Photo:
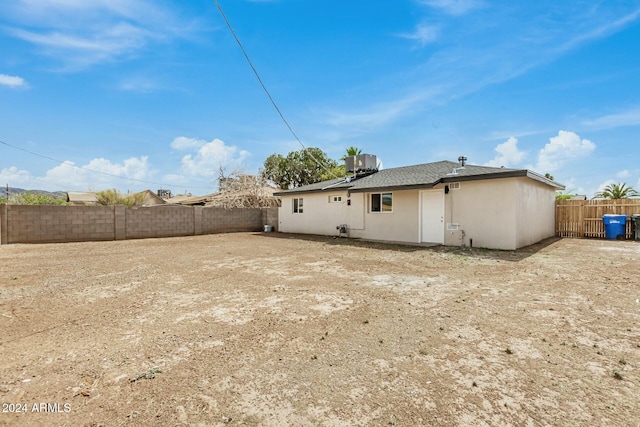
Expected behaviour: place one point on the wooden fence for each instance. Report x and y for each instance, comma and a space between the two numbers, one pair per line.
583, 218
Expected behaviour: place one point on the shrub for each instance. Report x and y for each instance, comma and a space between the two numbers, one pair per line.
113, 197
34, 198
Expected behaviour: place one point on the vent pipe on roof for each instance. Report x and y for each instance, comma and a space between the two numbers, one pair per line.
462, 160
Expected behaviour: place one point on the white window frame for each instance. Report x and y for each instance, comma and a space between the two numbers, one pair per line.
382, 211
335, 199
298, 205
454, 186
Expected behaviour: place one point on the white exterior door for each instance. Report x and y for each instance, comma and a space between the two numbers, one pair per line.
432, 216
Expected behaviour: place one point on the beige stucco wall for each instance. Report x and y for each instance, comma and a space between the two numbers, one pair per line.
485, 211
319, 216
535, 212
506, 213
401, 225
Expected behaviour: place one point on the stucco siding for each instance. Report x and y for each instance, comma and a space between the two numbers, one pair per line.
506, 213
535, 212
399, 225
319, 214
484, 211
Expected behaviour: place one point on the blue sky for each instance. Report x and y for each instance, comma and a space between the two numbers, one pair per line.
136, 94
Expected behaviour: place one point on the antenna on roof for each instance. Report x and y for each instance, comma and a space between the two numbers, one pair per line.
462, 160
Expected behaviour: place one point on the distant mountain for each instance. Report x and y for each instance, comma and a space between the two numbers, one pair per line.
13, 190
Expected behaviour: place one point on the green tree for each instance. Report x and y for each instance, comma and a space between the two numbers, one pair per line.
299, 168
351, 151
548, 176
35, 198
616, 191
561, 195
338, 171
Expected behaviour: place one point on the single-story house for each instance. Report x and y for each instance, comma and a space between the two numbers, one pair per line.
449, 203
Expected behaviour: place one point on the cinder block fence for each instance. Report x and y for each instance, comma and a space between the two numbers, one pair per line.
50, 224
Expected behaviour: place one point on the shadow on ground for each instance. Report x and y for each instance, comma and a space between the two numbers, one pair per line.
482, 253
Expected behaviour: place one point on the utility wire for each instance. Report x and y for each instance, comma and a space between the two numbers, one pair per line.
273, 102
95, 171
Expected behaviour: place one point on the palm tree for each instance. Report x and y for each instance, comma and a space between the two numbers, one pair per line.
616, 191
351, 151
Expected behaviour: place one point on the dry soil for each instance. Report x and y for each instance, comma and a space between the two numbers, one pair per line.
276, 330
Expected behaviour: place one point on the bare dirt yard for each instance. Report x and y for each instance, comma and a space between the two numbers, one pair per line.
280, 330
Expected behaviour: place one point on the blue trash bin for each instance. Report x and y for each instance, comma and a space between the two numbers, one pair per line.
614, 226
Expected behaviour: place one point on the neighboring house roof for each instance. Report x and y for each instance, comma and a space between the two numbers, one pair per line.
81, 197
251, 197
419, 176
179, 199
151, 198
194, 200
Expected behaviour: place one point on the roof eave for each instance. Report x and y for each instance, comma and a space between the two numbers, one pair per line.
317, 190
515, 173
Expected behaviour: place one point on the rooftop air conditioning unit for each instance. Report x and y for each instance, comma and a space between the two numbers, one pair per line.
361, 163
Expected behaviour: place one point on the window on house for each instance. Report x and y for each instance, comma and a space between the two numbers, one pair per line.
335, 199
297, 205
381, 202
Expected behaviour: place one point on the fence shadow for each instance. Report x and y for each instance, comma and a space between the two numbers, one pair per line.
478, 253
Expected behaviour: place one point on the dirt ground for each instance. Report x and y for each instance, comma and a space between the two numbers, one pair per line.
280, 330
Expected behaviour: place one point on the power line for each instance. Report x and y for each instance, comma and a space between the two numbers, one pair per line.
273, 102
96, 171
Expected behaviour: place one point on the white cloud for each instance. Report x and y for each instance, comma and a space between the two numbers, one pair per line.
100, 174
571, 187
561, 148
375, 116
508, 154
12, 81
608, 27
184, 143
453, 7
623, 174
423, 34
83, 33
625, 118
15, 177
604, 185
208, 156
82, 50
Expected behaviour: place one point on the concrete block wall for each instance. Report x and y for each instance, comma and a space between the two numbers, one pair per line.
220, 220
50, 224
159, 221
270, 217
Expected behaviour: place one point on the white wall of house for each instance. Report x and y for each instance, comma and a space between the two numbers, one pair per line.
400, 225
320, 214
485, 211
506, 213
535, 212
